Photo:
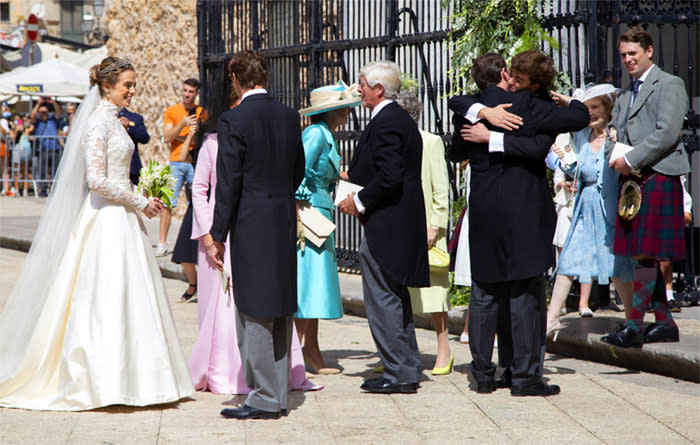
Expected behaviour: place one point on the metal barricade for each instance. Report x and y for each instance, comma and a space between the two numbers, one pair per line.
31, 160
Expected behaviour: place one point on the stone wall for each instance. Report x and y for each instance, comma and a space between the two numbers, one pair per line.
160, 37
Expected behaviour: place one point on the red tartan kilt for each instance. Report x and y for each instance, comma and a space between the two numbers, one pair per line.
657, 230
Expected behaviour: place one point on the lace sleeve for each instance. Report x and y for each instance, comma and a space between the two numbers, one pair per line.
95, 143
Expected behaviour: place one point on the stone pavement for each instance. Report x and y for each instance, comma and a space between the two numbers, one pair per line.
598, 403
579, 337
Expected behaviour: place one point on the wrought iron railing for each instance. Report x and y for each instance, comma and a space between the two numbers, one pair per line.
309, 43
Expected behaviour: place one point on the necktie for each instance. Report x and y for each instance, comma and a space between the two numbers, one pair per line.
635, 88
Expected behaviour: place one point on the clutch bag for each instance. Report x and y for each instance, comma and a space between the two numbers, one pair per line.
317, 228
438, 259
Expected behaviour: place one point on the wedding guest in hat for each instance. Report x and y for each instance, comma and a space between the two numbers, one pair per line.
318, 290
587, 250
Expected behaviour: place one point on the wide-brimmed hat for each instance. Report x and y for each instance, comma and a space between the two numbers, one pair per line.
332, 97
594, 90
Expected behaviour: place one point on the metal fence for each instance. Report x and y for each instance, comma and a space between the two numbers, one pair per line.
587, 32
309, 43
30, 164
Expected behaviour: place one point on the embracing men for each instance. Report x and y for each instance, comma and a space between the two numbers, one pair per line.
511, 214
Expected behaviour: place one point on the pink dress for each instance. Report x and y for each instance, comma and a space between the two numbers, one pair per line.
215, 363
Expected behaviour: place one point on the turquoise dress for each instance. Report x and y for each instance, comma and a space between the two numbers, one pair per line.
318, 290
587, 251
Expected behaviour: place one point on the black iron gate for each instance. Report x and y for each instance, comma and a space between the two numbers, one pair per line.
587, 31
309, 43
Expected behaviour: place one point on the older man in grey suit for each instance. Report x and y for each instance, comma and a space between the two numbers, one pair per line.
648, 115
393, 254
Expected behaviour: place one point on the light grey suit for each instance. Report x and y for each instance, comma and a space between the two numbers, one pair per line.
652, 124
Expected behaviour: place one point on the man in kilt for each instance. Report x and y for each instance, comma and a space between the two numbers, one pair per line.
648, 116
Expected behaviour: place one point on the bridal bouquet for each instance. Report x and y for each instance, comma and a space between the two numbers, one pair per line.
157, 181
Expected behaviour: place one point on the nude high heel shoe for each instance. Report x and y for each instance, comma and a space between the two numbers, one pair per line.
553, 327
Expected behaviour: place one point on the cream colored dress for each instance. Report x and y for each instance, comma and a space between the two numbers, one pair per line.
106, 334
436, 195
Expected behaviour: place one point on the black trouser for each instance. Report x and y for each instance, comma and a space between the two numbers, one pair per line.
518, 311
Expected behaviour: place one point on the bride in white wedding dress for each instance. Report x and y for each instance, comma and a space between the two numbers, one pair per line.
88, 323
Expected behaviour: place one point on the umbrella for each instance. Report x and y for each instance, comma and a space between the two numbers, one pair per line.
52, 78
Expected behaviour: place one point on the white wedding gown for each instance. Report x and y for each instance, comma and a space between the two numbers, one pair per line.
105, 334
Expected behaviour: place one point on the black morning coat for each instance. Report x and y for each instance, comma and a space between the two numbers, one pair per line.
259, 166
511, 212
387, 163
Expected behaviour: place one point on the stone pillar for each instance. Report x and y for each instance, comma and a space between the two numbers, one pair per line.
160, 37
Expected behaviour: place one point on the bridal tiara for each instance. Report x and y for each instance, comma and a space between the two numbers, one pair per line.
116, 65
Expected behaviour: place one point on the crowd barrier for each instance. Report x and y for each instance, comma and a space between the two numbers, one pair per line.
30, 163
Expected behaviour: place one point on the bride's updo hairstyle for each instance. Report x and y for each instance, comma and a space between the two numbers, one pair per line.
108, 72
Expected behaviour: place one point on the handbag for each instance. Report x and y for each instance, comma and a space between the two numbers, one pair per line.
317, 228
438, 259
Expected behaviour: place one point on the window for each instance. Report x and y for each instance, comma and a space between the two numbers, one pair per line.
71, 18
5, 12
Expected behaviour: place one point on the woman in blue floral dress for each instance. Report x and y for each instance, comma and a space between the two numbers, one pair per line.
587, 251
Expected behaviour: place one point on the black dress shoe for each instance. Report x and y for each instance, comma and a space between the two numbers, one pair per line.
673, 306
385, 386
370, 382
611, 307
486, 387
624, 338
248, 412
506, 380
656, 333
538, 389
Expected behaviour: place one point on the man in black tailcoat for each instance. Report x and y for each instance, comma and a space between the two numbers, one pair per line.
393, 254
511, 215
259, 166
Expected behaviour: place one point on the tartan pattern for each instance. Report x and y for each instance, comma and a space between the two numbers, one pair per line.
658, 230
649, 289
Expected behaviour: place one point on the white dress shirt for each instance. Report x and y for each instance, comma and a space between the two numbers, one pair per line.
377, 108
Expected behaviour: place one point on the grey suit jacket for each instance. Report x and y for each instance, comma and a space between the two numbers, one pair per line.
652, 124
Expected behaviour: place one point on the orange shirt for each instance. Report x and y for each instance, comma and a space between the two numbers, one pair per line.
174, 115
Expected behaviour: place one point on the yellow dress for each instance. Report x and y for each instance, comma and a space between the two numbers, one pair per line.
436, 195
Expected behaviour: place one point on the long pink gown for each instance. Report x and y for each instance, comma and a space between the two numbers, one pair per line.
215, 363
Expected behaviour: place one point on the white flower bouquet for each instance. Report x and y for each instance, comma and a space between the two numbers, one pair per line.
157, 181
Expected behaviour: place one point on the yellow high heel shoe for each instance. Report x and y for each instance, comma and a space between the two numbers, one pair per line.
445, 370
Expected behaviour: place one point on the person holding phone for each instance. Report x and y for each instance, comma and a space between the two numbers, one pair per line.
45, 116
178, 121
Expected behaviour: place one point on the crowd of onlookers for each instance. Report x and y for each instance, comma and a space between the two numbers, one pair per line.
31, 145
